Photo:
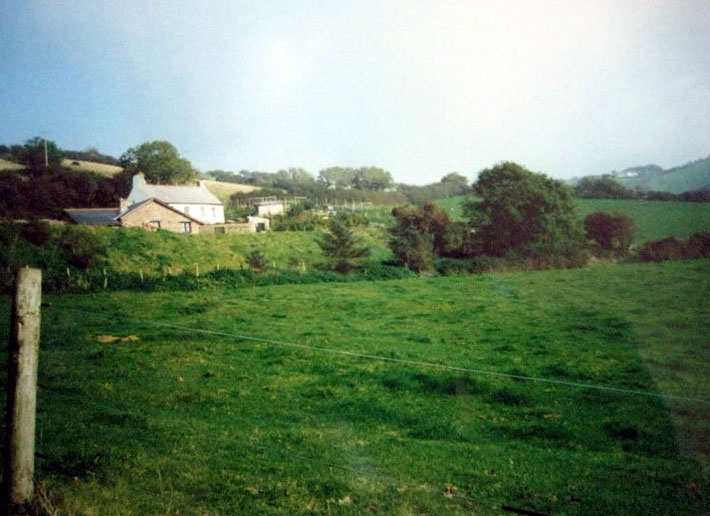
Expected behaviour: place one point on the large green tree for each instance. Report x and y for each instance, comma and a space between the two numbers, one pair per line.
39, 153
160, 162
372, 178
523, 212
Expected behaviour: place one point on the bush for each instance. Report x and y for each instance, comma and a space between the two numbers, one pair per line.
256, 260
82, 248
610, 233
698, 246
662, 250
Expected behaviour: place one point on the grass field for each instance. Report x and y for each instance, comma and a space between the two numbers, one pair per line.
654, 219
91, 166
178, 421
9, 165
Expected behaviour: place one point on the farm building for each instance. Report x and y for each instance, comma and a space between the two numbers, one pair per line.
151, 214
197, 202
269, 208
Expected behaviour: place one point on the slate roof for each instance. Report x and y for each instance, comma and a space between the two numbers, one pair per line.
93, 216
181, 194
157, 201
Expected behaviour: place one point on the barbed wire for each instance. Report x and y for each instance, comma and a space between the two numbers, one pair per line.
404, 361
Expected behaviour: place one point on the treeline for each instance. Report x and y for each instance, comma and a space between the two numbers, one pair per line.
299, 181
27, 194
606, 187
352, 185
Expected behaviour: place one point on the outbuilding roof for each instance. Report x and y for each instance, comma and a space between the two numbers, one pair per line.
93, 216
157, 201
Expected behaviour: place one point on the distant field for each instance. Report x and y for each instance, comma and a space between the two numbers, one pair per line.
175, 421
90, 166
224, 191
654, 219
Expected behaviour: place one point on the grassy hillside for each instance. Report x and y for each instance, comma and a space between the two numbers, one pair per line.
223, 191
654, 219
688, 177
133, 249
90, 166
174, 421
9, 165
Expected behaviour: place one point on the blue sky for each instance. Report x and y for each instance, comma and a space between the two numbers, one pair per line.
420, 88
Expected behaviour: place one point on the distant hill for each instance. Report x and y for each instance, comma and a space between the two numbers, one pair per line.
692, 176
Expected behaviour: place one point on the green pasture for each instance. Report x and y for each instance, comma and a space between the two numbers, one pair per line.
655, 220
308, 400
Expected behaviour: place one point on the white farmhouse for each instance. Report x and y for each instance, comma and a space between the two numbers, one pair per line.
194, 201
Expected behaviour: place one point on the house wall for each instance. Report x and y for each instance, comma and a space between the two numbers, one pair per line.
269, 210
207, 213
169, 220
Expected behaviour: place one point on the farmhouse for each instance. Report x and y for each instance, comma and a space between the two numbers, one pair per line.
196, 202
151, 214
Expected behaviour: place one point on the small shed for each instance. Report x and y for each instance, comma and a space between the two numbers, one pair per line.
270, 208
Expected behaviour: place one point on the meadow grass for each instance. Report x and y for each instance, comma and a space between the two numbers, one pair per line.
9, 165
92, 166
223, 191
188, 422
654, 220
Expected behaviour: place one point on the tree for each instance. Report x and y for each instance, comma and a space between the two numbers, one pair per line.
372, 178
38, 154
338, 177
160, 162
341, 246
610, 233
523, 212
429, 219
293, 179
412, 247
603, 187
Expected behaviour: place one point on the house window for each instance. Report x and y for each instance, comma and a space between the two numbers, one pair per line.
155, 224
184, 227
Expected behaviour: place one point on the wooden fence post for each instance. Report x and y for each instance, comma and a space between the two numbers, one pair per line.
22, 391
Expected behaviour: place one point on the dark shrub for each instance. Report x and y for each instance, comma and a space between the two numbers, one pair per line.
82, 248
698, 246
611, 233
661, 250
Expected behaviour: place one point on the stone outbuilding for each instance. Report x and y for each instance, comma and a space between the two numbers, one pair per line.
151, 214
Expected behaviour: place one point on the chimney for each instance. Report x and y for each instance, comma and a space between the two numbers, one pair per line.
122, 204
138, 179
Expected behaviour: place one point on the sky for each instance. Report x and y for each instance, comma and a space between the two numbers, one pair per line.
419, 88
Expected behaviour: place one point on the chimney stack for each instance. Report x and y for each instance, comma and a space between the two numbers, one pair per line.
122, 204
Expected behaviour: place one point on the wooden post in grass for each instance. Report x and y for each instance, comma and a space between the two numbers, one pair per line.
19, 453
